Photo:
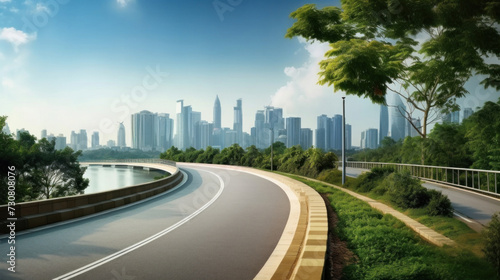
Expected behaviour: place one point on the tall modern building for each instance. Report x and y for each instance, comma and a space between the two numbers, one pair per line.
398, 121
60, 142
383, 123
6, 129
411, 130
82, 140
362, 144
195, 119
143, 131
293, 126
369, 139
238, 122
164, 129
336, 135
95, 140
121, 136
467, 113
179, 124
217, 113
455, 117
324, 133
203, 134
261, 132
306, 138
43, 134
348, 135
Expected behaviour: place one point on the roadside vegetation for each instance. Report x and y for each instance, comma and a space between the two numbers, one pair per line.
385, 248
40, 170
474, 143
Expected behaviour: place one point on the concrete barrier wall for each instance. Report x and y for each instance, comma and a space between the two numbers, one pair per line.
42, 212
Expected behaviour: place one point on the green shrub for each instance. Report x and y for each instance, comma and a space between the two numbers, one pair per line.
492, 242
368, 181
407, 192
439, 204
332, 176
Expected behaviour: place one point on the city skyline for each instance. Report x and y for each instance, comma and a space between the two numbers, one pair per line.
63, 73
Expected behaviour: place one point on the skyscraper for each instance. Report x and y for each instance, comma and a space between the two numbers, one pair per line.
143, 131
324, 133
293, 126
82, 140
95, 140
306, 138
348, 135
179, 124
238, 122
163, 132
121, 136
383, 123
44, 134
217, 113
412, 131
60, 142
6, 129
371, 138
467, 113
398, 121
261, 141
337, 132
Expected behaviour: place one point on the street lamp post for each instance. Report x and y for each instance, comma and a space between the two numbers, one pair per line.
343, 141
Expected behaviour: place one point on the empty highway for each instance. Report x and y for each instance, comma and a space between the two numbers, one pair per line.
219, 224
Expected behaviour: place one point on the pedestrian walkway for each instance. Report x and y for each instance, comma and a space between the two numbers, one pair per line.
424, 231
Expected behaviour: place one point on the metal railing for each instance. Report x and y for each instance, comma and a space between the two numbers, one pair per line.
486, 181
140, 160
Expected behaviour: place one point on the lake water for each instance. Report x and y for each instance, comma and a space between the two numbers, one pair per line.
110, 178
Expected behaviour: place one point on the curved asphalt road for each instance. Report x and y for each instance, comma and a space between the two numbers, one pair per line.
230, 239
475, 209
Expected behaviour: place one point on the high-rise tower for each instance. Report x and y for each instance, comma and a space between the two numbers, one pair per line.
398, 121
217, 113
383, 123
121, 136
238, 122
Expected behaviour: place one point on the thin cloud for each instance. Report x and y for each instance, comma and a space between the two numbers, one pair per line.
16, 37
123, 3
303, 89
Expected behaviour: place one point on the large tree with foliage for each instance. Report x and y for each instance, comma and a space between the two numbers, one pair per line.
483, 135
374, 49
41, 170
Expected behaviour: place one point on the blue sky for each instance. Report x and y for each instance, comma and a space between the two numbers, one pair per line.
69, 65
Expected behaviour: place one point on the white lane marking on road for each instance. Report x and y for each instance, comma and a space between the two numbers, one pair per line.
139, 244
455, 213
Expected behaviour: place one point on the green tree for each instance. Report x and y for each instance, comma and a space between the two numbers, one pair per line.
208, 155
253, 157
446, 146
191, 154
483, 135
492, 242
292, 160
374, 49
50, 172
231, 155
173, 154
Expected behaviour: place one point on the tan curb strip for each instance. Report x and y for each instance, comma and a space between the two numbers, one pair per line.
305, 256
424, 231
